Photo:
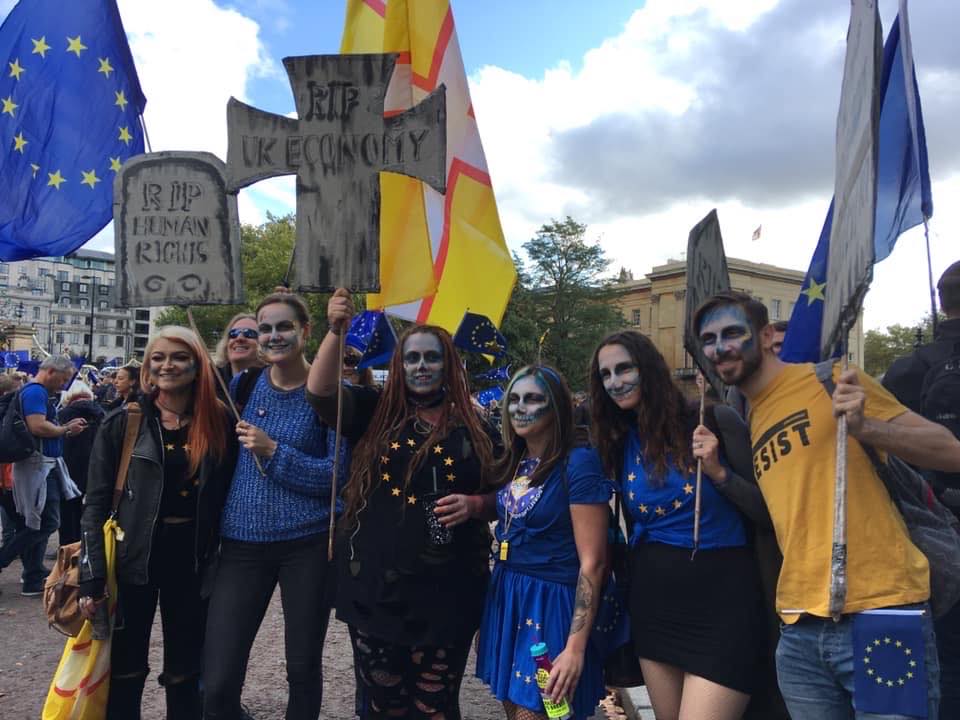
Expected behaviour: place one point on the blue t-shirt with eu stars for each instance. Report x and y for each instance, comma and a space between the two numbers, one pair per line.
663, 512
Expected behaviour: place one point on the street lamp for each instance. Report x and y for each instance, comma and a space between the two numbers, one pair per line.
93, 308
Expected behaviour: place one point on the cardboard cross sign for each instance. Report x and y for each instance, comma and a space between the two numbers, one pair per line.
337, 148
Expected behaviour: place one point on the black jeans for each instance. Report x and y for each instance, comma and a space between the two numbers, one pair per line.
246, 577
412, 682
948, 648
172, 582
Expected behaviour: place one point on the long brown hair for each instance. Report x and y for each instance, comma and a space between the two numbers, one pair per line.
561, 442
662, 417
393, 411
208, 429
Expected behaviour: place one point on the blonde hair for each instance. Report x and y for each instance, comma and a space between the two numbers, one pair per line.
208, 427
220, 351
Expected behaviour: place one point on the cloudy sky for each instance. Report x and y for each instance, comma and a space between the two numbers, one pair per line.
634, 117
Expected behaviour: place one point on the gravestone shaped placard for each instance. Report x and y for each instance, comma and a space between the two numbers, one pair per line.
337, 148
707, 275
177, 232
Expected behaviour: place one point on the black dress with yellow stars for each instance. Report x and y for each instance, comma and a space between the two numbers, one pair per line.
393, 583
179, 498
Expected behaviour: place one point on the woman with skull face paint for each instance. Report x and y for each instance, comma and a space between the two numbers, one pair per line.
695, 617
169, 512
275, 524
410, 589
552, 507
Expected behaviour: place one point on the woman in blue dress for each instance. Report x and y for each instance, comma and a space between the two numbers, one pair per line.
695, 616
552, 511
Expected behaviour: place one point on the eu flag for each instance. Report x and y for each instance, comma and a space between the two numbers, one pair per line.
903, 190
889, 675
478, 334
70, 107
372, 334
497, 374
485, 397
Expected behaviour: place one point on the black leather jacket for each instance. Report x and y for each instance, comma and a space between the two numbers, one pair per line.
140, 502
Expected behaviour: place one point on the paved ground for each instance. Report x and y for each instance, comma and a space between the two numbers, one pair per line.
29, 652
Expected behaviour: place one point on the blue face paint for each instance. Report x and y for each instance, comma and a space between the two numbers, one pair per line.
527, 402
729, 343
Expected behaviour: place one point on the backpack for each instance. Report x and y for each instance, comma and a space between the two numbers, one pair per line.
940, 402
16, 441
931, 526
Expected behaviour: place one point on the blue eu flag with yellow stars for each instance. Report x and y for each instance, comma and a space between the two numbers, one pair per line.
478, 334
372, 334
889, 676
70, 107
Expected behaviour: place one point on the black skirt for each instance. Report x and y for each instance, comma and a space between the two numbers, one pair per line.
703, 616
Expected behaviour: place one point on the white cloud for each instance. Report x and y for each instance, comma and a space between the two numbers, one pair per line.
709, 103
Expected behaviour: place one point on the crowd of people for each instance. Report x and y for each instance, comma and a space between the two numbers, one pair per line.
724, 598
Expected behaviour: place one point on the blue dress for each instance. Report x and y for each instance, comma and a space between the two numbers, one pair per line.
532, 593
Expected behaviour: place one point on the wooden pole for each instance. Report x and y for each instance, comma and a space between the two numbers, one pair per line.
697, 497
838, 554
341, 345
223, 386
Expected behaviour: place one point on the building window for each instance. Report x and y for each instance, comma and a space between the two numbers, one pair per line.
36, 291
74, 319
103, 304
61, 318
4, 268
142, 329
60, 338
140, 343
635, 317
119, 341
104, 289
83, 288
774, 309
143, 315
120, 324
791, 306
36, 312
65, 286
84, 302
65, 302
63, 275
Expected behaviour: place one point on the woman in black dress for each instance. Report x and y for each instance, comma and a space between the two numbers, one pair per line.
411, 591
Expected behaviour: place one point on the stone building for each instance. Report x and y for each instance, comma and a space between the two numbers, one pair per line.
655, 304
57, 303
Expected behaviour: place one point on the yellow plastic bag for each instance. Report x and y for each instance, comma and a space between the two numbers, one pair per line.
82, 682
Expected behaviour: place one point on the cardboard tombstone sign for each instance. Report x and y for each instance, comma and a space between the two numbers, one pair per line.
851, 253
177, 232
337, 147
707, 275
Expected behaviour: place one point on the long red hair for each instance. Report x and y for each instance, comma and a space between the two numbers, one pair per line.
394, 410
208, 425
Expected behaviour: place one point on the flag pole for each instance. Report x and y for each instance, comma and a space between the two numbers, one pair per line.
697, 496
341, 345
838, 555
223, 386
933, 294
146, 135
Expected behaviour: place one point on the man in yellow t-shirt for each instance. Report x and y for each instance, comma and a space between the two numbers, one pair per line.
793, 431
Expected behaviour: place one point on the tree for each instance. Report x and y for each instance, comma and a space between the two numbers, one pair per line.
561, 293
265, 255
881, 348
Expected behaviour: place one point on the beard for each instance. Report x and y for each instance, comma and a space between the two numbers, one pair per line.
738, 374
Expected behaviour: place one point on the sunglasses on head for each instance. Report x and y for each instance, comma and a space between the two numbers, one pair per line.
248, 333
351, 360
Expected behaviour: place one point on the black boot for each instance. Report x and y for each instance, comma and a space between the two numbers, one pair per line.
126, 695
183, 699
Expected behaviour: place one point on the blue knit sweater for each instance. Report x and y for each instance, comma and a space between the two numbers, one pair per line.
293, 500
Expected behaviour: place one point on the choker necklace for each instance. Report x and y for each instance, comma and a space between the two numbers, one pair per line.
428, 400
179, 416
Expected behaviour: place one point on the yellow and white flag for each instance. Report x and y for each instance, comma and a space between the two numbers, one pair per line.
440, 255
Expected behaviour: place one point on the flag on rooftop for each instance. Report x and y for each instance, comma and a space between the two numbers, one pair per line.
445, 253
70, 108
756, 233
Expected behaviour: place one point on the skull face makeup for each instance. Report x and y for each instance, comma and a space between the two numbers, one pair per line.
619, 375
729, 343
423, 363
528, 406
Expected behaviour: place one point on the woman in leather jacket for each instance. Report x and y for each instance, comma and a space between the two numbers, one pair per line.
169, 512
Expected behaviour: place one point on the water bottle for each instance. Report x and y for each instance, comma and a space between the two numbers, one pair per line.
555, 711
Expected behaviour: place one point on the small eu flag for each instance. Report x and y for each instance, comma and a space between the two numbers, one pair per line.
70, 107
890, 676
485, 397
372, 334
497, 374
478, 334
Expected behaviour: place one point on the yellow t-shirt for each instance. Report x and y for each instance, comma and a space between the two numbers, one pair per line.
793, 432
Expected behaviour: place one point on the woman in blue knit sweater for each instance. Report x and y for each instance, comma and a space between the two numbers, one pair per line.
274, 524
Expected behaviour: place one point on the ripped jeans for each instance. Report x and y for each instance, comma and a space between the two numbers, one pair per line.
418, 682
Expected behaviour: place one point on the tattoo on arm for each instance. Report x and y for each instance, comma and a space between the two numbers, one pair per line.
582, 604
